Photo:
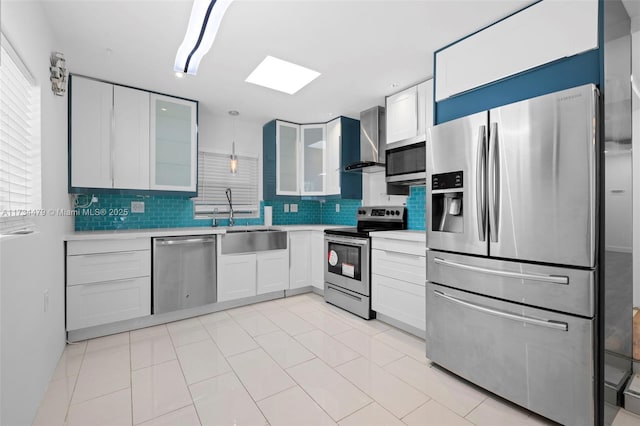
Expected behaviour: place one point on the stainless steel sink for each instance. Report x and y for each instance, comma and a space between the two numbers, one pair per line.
252, 240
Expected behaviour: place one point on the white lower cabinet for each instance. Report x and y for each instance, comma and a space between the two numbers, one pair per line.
249, 274
300, 247
317, 259
108, 301
398, 277
107, 281
273, 271
236, 276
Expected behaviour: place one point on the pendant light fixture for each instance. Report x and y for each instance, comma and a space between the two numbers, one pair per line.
233, 158
204, 22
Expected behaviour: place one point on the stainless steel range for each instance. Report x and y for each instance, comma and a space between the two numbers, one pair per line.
347, 273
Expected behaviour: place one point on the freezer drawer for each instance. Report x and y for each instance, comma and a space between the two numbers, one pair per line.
538, 359
560, 289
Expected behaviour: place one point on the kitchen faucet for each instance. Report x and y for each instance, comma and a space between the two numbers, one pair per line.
229, 198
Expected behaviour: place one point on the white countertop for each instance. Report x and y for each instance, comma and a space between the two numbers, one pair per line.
405, 235
176, 232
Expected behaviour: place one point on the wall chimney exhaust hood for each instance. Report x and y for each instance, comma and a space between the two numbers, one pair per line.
372, 142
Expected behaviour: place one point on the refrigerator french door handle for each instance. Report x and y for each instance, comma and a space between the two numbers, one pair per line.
481, 184
556, 325
555, 279
493, 183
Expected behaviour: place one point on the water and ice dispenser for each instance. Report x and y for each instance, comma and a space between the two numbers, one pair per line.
447, 198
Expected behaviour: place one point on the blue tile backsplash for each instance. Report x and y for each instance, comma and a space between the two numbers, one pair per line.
416, 208
176, 212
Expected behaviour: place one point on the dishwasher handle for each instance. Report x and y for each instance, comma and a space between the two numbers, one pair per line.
172, 242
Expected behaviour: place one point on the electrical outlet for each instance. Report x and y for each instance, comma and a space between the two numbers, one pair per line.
286, 208
294, 208
45, 300
337, 208
137, 207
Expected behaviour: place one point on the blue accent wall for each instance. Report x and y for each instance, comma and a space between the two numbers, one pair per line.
577, 70
559, 75
416, 208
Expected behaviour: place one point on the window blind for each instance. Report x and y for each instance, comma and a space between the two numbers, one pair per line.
214, 178
19, 143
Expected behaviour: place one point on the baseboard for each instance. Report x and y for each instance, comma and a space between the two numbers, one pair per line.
401, 325
157, 319
297, 291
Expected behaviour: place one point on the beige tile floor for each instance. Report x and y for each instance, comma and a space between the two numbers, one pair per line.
294, 361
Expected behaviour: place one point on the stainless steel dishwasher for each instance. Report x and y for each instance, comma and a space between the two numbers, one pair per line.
184, 272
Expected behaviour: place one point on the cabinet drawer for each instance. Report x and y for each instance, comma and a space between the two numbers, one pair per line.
110, 301
107, 246
399, 300
405, 267
97, 267
416, 248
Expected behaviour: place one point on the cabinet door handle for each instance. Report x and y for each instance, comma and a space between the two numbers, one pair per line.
556, 325
115, 253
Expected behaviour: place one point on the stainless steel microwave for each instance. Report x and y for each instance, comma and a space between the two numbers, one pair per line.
406, 164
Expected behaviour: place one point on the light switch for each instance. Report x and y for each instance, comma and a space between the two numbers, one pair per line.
286, 208
337, 208
137, 207
294, 208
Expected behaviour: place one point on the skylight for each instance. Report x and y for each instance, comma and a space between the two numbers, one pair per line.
282, 76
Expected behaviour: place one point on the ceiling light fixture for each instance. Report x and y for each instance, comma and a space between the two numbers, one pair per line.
233, 158
282, 76
204, 22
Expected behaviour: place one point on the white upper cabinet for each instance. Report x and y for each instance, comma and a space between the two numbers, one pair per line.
308, 158
91, 120
332, 157
109, 136
409, 113
402, 115
130, 138
173, 149
546, 31
313, 159
287, 168
125, 138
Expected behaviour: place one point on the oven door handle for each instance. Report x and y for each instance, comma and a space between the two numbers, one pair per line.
351, 241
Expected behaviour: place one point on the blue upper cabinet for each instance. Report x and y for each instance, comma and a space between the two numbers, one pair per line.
308, 160
350, 183
530, 53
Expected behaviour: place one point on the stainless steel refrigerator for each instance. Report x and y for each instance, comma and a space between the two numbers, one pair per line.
512, 260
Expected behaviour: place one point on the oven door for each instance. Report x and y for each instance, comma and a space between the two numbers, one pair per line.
347, 263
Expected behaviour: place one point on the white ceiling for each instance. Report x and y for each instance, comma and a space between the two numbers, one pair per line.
360, 47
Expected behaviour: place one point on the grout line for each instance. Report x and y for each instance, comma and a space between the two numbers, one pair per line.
373, 401
130, 379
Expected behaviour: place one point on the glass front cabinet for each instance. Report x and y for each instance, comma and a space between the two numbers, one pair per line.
309, 159
173, 148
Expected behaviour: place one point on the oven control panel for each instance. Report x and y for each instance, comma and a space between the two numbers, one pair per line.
386, 212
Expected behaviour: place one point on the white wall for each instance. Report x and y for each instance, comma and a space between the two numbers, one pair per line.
217, 132
618, 199
635, 106
31, 339
374, 191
